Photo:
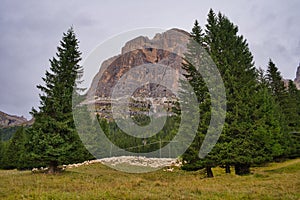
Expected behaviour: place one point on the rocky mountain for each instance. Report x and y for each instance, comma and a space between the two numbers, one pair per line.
164, 49
136, 52
297, 79
157, 60
7, 120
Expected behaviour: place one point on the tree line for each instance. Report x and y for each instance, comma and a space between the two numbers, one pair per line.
262, 117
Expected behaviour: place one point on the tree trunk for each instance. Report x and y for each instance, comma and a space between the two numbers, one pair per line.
209, 172
53, 167
227, 169
242, 169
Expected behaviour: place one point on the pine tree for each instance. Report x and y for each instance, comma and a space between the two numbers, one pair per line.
54, 140
1, 154
293, 107
283, 100
252, 132
231, 54
279, 91
4, 161
275, 81
15, 149
293, 120
267, 124
195, 59
190, 157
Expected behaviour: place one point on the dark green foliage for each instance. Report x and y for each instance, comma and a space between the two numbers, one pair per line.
251, 133
267, 130
141, 119
15, 148
193, 57
294, 145
275, 82
53, 137
293, 121
287, 99
2, 153
140, 145
7, 133
95, 132
293, 107
279, 92
251, 129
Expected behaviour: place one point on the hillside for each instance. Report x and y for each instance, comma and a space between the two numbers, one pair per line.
7, 120
10, 123
96, 181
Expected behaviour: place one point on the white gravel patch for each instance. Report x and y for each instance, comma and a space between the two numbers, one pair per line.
141, 161
131, 164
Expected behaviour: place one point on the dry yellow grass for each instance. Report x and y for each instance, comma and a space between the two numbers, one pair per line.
275, 181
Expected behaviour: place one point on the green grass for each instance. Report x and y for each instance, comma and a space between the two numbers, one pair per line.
96, 181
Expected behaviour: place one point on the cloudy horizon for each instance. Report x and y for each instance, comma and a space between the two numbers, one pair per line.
31, 31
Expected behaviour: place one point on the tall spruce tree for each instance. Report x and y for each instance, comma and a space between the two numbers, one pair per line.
1, 153
267, 117
15, 149
231, 54
252, 132
54, 140
293, 120
283, 100
278, 90
293, 107
191, 64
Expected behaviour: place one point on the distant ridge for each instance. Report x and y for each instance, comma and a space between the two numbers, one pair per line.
7, 120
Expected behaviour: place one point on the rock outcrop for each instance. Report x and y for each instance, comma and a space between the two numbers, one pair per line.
165, 49
7, 120
297, 79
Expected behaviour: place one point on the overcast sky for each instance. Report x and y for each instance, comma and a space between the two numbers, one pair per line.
31, 30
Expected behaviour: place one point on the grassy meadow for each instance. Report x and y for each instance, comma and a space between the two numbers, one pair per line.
96, 181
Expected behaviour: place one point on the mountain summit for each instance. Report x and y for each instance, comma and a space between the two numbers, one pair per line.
297, 79
163, 52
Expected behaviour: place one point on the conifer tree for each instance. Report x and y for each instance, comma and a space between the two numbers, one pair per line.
252, 132
267, 123
1, 153
194, 59
15, 149
293, 108
279, 91
54, 140
231, 54
284, 100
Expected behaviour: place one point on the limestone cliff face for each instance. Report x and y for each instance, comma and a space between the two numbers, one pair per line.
135, 58
92, 90
7, 120
164, 49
